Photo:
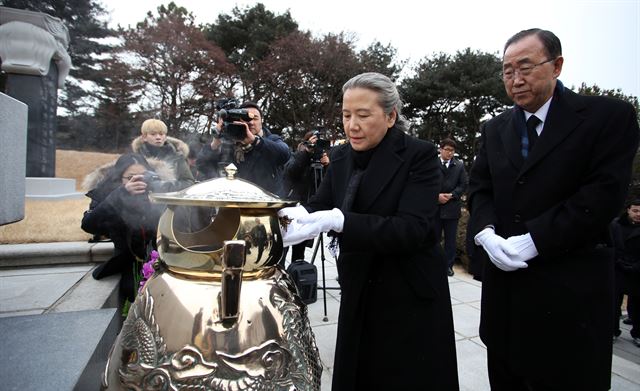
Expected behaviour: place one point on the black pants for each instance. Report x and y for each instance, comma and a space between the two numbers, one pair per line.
633, 309
450, 228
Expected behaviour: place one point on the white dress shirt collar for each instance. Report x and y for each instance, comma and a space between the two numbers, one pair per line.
541, 114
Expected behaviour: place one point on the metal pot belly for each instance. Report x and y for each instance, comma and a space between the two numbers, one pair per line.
175, 337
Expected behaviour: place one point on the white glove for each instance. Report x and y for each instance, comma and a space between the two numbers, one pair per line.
501, 253
291, 225
309, 226
524, 246
293, 212
326, 220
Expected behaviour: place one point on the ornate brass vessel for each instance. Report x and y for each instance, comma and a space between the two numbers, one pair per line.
217, 314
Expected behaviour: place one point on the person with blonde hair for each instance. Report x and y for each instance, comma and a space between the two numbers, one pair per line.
153, 142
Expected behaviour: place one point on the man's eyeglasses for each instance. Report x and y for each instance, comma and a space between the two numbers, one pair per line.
524, 70
448, 149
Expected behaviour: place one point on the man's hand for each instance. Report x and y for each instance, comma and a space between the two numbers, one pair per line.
501, 253
524, 245
443, 198
324, 160
215, 143
249, 137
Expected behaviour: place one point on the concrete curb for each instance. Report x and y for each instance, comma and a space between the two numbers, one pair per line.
41, 254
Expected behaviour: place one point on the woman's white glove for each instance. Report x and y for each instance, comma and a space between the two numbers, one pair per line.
501, 252
308, 226
293, 212
288, 219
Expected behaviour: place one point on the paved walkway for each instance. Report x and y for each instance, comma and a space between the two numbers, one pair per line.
27, 291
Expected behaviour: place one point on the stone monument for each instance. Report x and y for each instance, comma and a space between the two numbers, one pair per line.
33, 52
13, 149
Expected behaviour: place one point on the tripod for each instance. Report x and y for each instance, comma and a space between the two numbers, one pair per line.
317, 177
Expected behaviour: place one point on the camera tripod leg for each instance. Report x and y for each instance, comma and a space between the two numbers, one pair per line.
317, 170
320, 243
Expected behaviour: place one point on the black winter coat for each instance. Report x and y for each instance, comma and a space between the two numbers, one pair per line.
626, 240
395, 327
262, 165
300, 177
552, 321
130, 221
454, 181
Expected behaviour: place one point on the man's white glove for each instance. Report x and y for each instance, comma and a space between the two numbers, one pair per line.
501, 253
309, 226
524, 246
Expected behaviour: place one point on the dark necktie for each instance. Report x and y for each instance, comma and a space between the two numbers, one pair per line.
444, 164
532, 123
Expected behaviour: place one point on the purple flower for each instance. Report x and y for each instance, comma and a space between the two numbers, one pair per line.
147, 269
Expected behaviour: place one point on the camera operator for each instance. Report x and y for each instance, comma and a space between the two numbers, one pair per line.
302, 175
243, 141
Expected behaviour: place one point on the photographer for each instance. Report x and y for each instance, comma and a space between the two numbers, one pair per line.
302, 175
120, 209
243, 141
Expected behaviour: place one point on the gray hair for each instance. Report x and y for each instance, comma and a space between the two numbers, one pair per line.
388, 95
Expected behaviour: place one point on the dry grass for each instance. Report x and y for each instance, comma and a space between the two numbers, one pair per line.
76, 164
48, 221
57, 221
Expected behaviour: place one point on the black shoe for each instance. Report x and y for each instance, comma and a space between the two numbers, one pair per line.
450, 272
627, 321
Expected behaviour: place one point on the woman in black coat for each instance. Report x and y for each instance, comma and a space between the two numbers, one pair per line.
395, 327
625, 231
120, 209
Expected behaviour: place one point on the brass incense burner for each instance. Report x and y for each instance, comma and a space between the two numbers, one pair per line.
217, 314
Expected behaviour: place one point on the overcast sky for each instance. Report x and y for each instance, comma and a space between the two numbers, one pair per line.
600, 39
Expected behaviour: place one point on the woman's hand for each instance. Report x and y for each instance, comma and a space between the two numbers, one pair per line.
136, 185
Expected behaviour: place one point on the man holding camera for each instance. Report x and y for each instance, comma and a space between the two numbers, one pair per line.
258, 154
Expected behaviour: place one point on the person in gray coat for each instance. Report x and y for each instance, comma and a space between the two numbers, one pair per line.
454, 184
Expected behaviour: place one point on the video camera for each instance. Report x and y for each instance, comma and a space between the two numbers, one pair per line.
319, 148
229, 113
235, 132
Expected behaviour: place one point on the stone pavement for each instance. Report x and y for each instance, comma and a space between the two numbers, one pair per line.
55, 289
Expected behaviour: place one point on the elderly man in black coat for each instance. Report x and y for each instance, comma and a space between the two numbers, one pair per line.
542, 192
453, 185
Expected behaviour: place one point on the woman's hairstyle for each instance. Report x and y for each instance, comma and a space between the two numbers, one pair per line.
388, 95
153, 126
114, 177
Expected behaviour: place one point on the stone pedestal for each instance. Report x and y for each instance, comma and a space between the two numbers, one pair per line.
13, 149
33, 53
64, 351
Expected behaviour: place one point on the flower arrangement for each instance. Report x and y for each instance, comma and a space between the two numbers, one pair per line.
148, 269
